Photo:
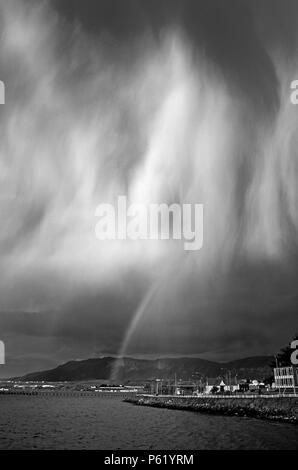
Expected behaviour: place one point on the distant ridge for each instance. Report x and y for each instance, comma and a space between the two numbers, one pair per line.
144, 369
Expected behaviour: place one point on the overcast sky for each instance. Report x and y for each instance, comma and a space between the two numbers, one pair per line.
163, 101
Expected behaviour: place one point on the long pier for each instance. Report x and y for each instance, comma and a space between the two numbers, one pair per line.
70, 393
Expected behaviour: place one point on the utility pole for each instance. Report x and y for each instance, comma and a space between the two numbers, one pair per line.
277, 375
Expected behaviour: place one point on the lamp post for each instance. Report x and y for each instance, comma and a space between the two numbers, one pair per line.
294, 388
277, 374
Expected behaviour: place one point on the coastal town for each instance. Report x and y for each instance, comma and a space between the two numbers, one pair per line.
265, 388
284, 381
275, 399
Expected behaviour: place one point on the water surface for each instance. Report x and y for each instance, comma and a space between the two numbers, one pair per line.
98, 423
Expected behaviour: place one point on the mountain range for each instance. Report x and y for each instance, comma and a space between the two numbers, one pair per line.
136, 370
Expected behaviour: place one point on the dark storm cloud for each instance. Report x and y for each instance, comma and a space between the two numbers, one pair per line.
252, 308
86, 83
226, 31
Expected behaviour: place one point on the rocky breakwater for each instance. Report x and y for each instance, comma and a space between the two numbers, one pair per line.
284, 409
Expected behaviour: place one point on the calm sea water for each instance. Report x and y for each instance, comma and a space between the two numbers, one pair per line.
99, 423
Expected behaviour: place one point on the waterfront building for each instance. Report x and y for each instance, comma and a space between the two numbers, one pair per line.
214, 385
218, 385
186, 388
286, 378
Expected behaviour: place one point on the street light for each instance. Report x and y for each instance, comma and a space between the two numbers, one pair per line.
277, 374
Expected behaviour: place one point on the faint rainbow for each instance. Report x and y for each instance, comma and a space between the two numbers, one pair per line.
132, 327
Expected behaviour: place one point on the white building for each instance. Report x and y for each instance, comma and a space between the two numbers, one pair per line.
221, 386
286, 378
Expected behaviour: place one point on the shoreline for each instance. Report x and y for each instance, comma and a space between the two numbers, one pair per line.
278, 409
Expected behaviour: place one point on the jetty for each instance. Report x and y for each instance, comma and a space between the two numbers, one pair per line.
271, 407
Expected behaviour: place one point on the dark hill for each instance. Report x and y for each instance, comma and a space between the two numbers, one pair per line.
130, 369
